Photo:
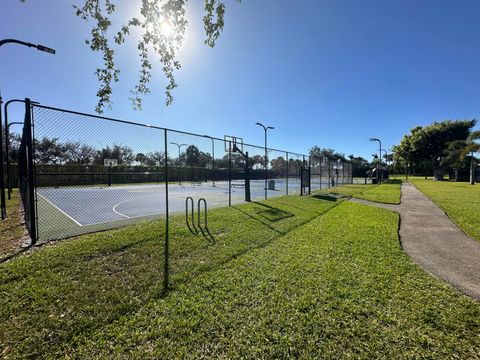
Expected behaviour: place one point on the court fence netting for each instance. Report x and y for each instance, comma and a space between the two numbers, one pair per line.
80, 173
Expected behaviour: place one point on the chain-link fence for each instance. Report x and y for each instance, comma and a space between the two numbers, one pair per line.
80, 173
90, 173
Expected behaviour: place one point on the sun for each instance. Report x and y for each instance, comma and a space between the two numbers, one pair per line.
166, 28
162, 27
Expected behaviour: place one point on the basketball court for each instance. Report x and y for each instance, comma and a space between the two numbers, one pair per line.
92, 208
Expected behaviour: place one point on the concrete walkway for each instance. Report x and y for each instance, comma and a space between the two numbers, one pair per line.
434, 242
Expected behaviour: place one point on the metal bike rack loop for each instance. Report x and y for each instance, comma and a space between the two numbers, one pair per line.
192, 229
200, 201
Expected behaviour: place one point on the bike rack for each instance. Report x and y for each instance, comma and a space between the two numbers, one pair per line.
202, 200
205, 232
192, 228
190, 218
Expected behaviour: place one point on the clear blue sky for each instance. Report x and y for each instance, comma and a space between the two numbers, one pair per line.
327, 73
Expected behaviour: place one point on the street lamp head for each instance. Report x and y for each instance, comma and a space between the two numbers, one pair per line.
260, 124
45, 49
374, 139
270, 127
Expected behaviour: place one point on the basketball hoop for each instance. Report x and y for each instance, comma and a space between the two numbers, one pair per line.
233, 143
110, 162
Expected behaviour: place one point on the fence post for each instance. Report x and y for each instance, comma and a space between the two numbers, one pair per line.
3, 205
229, 173
328, 169
247, 179
309, 176
30, 167
166, 253
320, 164
287, 172
301, 180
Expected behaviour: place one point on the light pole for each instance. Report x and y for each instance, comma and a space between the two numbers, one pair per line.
7, 154
386, 157
24, 43
179, 147
7, 142
265, 128
213, 158
379, 176
3, 202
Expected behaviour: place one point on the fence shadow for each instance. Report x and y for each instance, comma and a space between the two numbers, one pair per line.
260, 220
325, 197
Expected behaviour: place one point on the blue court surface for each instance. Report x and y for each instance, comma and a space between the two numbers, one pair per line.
99, 205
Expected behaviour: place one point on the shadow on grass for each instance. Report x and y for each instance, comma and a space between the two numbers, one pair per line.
272, 213
207, 235
99, 253
16, 253
325, 197
393, 181
263, 222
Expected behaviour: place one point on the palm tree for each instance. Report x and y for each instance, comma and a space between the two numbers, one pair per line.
472, 146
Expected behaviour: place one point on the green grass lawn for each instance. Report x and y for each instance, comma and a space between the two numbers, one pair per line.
461, 201
12, 229
80, 284
290, 277
388, 193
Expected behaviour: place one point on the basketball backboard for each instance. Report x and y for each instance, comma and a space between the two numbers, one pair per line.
233, 143
110, 162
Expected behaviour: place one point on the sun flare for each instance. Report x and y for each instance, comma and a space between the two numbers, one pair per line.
166, 28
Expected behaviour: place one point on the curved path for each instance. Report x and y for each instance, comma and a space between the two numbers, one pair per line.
434, 242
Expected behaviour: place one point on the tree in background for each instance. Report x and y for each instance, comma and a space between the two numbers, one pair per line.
278, 165
49, 151
141, 158
77, 153
123, 154
360, 166
257, 162
472, 146
453, 156
318, 154
159, 29
156, 158
194, 157
403, 155
14, 140
428, 144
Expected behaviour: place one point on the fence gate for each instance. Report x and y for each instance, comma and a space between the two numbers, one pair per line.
305, 182
26, 174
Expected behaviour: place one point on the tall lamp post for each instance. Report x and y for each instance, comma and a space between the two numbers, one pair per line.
7, 142
3, 202
179, 147
265, 128
213, 158
379, 176
7, 155
386, 157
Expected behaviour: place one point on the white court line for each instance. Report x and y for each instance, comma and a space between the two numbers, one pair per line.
114, 208
56, 207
